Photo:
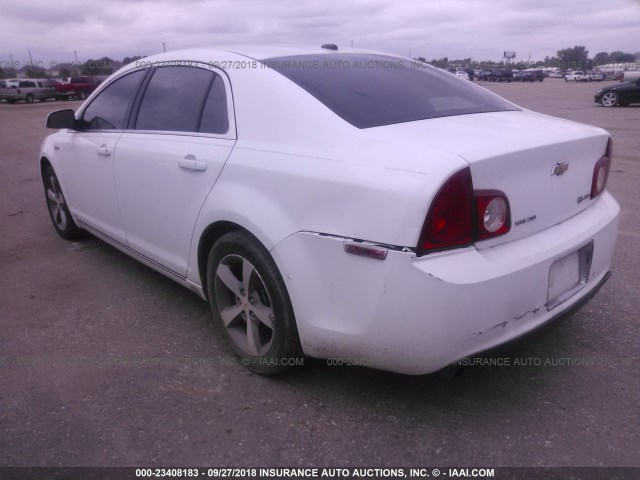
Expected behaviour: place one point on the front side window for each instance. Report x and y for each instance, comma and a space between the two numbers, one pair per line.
110, 109
176, 98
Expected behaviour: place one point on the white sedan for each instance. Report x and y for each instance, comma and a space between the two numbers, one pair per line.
338, 203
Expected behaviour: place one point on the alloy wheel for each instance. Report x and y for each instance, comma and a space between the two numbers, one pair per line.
56, 203
610, 99
244, 305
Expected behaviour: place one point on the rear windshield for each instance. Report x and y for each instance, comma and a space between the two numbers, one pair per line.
375, 90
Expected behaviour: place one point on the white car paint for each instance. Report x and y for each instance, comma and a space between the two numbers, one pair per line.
86, 176
577, 76
303, 182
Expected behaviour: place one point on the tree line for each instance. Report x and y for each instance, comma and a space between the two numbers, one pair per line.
575, 58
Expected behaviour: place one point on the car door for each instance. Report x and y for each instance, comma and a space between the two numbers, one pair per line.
170, 158
87, 157
634, 92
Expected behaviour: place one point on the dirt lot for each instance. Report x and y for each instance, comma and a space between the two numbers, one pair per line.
105, 363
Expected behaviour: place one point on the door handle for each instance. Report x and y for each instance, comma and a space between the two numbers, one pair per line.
104, 151
190, 162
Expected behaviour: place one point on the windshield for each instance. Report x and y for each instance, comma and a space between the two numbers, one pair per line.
374, 90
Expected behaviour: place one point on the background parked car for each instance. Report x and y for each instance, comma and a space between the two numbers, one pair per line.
533, 76
595, 76
470, 72
28, 90
458, 72
5, 90
619, 95
79, 87
577, 76
496, 75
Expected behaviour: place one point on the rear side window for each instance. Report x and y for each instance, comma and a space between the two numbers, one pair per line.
374, 90
27, 85
180, 99
215, 118
110, 109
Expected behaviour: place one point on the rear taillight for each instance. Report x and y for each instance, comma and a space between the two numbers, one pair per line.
459, 216
492, 208
601, 172
449, 223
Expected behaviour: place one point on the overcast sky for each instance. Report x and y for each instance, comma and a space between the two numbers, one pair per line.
482, 29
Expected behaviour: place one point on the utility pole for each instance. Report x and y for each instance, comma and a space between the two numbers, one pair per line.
164, 47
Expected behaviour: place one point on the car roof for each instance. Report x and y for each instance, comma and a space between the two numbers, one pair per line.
258, 52
261, 52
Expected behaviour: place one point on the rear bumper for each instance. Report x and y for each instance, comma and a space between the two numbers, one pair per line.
416, 315
563, 313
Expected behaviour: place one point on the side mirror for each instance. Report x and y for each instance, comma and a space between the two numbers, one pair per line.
62, 119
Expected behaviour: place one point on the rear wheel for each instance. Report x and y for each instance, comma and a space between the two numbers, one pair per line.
57, 206
609, 99
29, 98
82, 95
249, 301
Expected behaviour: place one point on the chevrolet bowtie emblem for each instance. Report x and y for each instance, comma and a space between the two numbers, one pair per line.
559, 168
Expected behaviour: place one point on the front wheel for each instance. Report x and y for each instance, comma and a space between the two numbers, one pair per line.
82, 95
249, 301
29, 98
609, 99
57, 206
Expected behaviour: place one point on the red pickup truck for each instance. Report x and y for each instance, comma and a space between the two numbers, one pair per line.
79, 87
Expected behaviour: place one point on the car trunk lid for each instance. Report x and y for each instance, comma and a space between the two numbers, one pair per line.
543, 164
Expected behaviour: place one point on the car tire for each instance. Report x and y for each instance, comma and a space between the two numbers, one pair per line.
609, 99
255, 312
29, 98
57, 207
82, 95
